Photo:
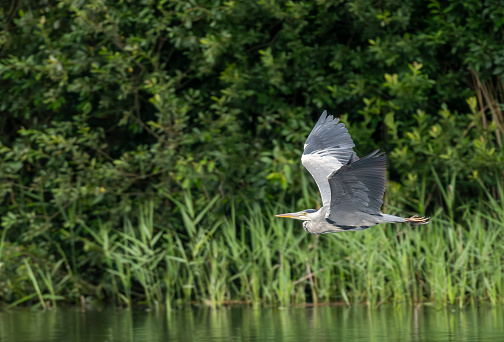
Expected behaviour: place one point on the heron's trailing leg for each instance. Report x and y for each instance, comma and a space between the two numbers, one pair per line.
417, 220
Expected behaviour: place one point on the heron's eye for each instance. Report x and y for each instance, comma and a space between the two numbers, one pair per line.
304, 213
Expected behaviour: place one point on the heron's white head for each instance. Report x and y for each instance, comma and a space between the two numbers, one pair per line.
304, 215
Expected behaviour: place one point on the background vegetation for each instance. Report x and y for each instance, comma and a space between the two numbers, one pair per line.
145, 146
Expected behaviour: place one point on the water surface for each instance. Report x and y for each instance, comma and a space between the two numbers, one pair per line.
248, 324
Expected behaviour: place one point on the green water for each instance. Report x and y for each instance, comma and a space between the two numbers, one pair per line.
247, 324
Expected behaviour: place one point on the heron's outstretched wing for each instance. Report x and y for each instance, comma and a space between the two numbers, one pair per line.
358, 187
328, 147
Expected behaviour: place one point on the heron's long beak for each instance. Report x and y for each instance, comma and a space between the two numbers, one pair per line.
298, 216
292, 215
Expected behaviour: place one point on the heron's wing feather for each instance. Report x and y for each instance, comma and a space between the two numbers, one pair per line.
358, 187
328, 147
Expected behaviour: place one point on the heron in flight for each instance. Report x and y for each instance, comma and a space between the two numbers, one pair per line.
351, 188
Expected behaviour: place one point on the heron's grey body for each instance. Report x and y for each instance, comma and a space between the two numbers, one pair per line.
351, 188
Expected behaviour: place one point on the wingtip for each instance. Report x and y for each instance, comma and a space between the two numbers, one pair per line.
327, 118
322, 118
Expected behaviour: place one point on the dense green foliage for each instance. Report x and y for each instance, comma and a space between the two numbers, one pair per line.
113, 112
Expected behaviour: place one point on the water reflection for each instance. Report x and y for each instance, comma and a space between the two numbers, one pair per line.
247, 324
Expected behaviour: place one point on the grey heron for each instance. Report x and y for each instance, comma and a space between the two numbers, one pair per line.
351, 188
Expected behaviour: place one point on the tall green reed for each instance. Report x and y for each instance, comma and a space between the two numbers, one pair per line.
253, 257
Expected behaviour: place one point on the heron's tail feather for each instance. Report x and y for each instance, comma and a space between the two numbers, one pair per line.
417, 220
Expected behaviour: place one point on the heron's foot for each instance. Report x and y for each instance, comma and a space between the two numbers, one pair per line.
417, 220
